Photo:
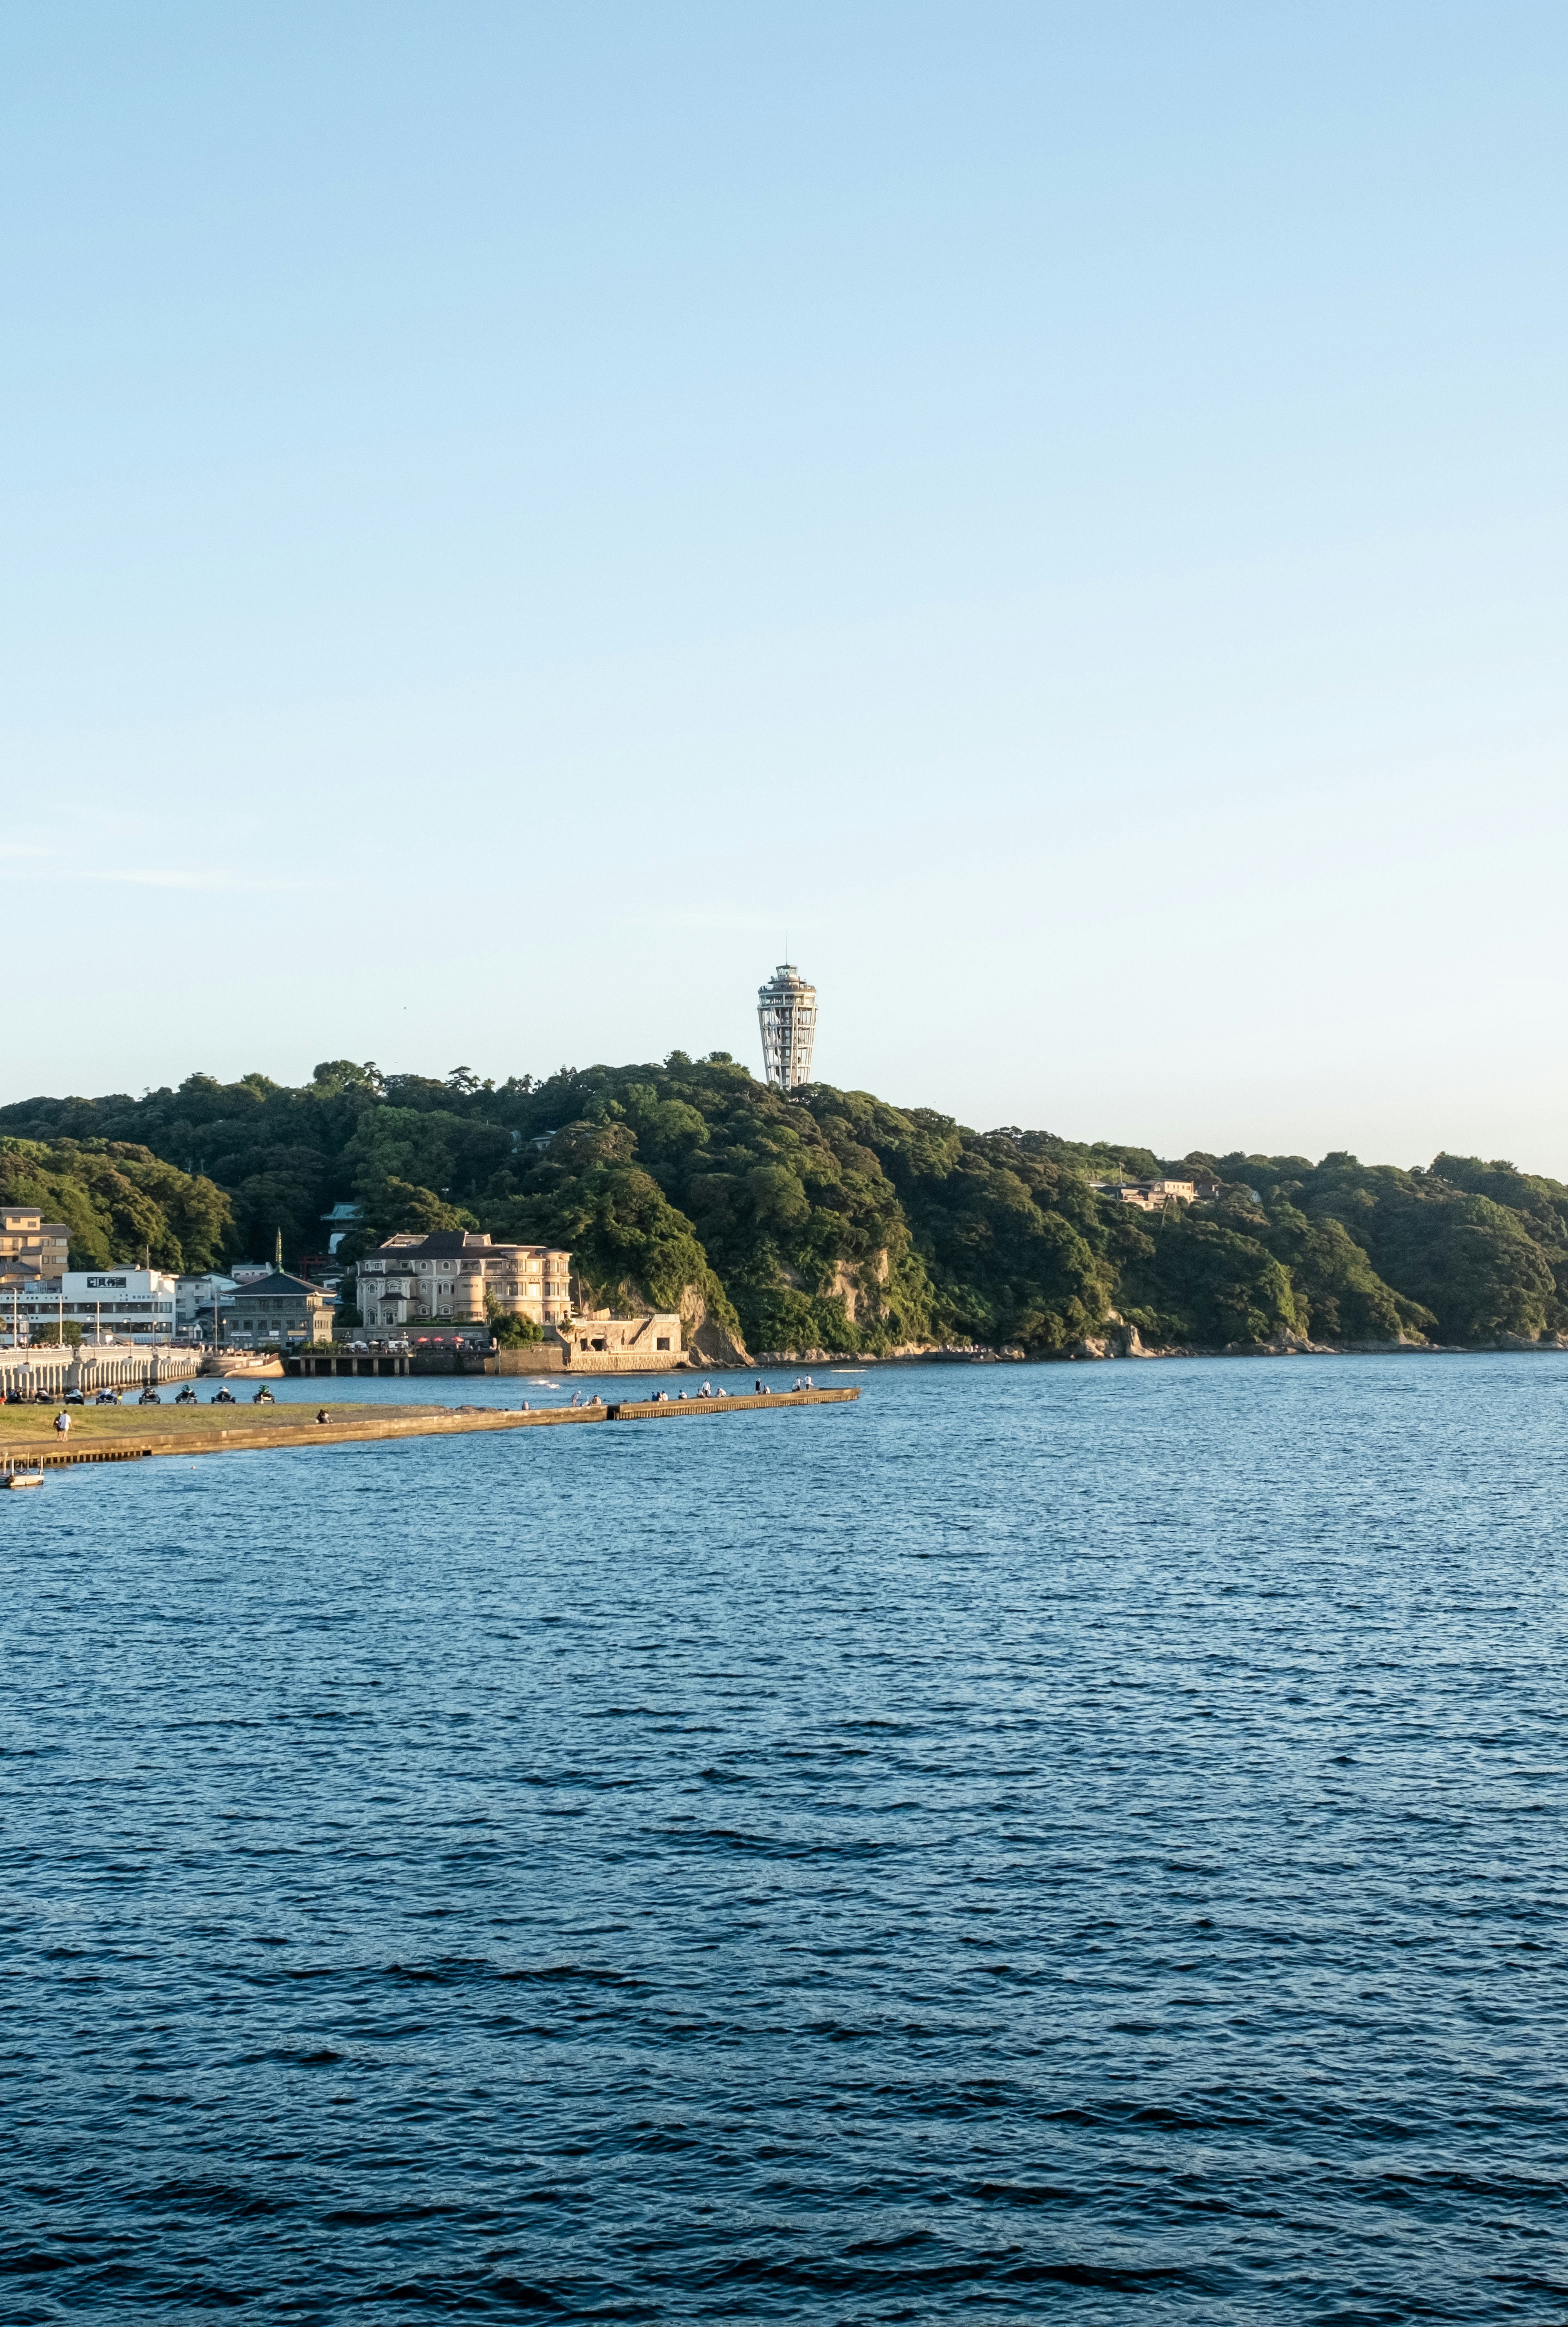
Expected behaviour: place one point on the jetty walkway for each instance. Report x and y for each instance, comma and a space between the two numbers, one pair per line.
28, 1439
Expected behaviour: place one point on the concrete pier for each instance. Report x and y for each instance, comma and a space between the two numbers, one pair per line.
119, 1433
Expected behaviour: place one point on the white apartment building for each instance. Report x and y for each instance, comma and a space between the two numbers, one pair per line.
443, 1278
122, 1304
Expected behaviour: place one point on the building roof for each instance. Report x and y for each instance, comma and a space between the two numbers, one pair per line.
448, 1244
276, 1285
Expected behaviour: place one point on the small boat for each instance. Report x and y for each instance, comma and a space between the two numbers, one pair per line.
22, 1479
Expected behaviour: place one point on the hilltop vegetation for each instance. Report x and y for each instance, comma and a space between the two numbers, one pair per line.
119, 1201
834, 1221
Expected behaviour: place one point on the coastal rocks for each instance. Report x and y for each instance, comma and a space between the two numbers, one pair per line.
1118, 1340
850, 1282
1285, 1345
705, 1338
1394, 1349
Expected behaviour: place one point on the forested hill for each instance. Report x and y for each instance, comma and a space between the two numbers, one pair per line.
833, 1221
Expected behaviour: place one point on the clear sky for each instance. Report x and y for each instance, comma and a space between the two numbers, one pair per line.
510, 510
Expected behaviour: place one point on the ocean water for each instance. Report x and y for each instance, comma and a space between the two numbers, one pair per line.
1081, 1843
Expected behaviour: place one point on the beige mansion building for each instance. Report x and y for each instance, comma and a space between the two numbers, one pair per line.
30, 1245
446, 1275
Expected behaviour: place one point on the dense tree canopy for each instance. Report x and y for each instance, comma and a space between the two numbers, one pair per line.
119, 1201
831, 1221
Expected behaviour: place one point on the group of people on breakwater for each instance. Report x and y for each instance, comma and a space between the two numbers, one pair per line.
682, 1397
662, 1397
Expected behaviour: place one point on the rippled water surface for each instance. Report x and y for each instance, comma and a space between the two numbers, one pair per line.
1069, 1842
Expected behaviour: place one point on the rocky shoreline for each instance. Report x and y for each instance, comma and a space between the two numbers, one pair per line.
1121, 1340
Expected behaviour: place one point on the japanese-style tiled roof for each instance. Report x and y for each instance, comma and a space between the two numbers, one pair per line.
277, 1286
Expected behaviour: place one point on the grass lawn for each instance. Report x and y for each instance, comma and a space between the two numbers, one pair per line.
100, 1425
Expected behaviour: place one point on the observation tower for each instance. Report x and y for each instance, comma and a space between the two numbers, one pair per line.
786, 1013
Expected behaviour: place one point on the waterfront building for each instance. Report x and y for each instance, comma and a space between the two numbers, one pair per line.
786, 1014
653, 1339
1148, 1195
25, 1235
122, 1304
444, 1278
278, 1308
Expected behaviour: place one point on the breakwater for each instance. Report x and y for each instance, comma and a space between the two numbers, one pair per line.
648, 1410
27, 1439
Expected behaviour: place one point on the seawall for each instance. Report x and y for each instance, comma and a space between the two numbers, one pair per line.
25, 1371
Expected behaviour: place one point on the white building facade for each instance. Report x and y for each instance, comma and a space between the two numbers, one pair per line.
137, 1304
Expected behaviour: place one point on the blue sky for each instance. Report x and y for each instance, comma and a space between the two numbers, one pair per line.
509, 511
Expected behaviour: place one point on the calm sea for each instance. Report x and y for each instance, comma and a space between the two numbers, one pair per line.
1081, 1843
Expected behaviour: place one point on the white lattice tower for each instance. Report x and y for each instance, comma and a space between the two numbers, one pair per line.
786, 1013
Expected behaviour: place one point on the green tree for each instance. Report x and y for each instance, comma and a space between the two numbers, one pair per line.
1212, 1285
510, 1331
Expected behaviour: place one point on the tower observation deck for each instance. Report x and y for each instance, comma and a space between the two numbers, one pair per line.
786, 1013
